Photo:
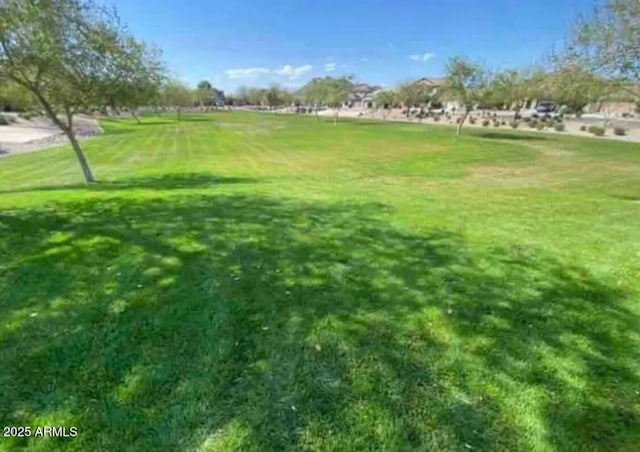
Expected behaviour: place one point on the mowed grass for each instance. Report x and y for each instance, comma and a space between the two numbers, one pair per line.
243, 282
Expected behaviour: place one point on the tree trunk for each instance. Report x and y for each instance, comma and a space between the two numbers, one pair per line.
178, 113
68, 131
133, 113
82, 159
462, 120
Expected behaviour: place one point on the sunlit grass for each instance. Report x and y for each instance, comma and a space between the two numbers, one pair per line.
270, 282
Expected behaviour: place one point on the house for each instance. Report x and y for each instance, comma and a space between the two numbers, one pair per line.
219, 98
362, 95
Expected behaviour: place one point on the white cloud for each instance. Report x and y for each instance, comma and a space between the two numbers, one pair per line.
423, 57
330, 67
293, 72
246, 72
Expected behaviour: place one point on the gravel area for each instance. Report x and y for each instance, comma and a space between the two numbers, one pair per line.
39, 133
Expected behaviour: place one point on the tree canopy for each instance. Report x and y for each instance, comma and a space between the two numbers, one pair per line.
607, 41
468, 83
70, 55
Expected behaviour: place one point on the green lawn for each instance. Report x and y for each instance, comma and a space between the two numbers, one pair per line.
269, 282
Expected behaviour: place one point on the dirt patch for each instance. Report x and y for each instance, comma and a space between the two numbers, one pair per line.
29, 136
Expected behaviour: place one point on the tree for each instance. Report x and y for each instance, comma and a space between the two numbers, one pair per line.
606, 42
336, 92
575, 87
274, 97
508, 89
16, 96
144, 77
467, 83
178, 95
69, 54
384, 100
241, 97
204, 93
314, 93
256, 96
410, 94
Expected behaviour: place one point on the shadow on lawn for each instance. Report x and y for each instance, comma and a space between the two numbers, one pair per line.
238, 322
159, 182
507, 136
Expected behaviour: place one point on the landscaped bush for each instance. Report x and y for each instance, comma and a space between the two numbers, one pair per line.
559, 127
458, 120
533, 123
514, 124
620, 131
485, 123
28, 115
472, 120
583, 128
436, 118
496, 123
503, 123
4, 121
540, 126
597, 130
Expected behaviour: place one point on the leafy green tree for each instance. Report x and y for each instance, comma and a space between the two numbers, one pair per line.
384, 101
69, 54
576, 88
314, 93
256, 96
177, 95
607, 41
204, 93
14, 95
274, 97
468, 84
145, 77
410, 94
336, 92
508, 88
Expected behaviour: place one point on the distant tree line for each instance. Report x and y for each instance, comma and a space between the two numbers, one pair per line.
63, 57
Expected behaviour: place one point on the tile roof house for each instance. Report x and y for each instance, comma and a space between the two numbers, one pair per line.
362, 95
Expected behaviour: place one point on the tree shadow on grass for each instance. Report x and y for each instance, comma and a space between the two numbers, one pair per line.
250, 323
508, 136
171, 181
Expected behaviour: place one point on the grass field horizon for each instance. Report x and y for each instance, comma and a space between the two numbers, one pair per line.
241, 281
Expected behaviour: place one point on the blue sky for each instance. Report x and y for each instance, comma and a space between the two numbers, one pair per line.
258, 42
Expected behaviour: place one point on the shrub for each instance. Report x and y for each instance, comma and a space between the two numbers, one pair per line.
619, 131
436, 118
496, 123
458, 120
559, 127
472, 120
597, 130
514, 124
503, 123
533, 123
485, 123
540, 126
28, 115
583, 128
4, 121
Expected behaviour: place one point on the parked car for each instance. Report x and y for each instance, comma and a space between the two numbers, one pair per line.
546, 107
